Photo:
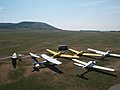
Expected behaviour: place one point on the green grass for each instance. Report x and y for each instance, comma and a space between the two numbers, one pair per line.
24, 41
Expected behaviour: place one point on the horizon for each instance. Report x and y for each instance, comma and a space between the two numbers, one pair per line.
67, 15
62, 29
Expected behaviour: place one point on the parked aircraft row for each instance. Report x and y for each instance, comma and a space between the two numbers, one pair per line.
74, 57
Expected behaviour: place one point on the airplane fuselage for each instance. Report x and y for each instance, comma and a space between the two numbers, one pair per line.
90, 64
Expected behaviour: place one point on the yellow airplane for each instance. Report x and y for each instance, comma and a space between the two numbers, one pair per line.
60, 54
82, 53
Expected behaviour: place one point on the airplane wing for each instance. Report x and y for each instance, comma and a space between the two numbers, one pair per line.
103, 68
62, 55
91, 54
80, 65
75, 51
50, 59
69, 56
114, 55
34, 55
81, 62
52, 52
5, 58
85, 54
96, 51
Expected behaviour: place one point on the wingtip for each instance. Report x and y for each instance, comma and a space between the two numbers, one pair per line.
113, 70
88, 48
76, 63
47, 49
60, 63
74, 59
34, 55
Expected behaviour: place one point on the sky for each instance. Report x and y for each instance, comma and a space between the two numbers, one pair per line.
64, 14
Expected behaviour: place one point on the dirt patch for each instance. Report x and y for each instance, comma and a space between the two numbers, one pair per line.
28, 71
115, 65
115, 87
5, 69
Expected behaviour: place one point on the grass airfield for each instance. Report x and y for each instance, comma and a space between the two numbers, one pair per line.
64, 77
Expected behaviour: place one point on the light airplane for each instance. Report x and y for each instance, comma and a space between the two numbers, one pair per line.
19, 56
90, 64
82, 53
107, 53
14, 58
47, 60
59, 54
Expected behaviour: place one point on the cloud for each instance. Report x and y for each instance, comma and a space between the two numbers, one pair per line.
95, 3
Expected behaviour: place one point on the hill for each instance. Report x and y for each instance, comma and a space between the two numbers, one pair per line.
27, 25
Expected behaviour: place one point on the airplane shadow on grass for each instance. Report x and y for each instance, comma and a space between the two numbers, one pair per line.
95, 70
97, 58
51, 67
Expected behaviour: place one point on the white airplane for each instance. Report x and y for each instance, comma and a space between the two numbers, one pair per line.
107, 53
14, 58
90, 64
19, 56
47, 60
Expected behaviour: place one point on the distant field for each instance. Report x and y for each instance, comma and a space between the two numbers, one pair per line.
24, 41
